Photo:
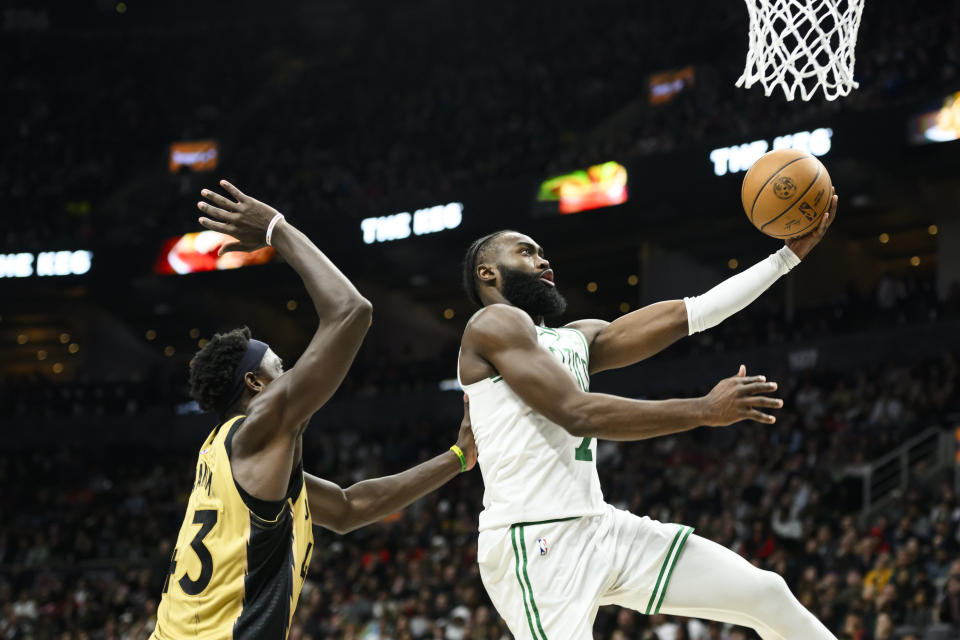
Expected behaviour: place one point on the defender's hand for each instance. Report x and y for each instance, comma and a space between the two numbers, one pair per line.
804, 244
465, 440
246, 219
737, 398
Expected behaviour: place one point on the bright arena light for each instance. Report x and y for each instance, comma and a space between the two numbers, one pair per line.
48, 263
398, 226
742, 156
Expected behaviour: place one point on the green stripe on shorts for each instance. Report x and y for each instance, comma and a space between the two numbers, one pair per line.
515, 531
673, 565
666, 570
533, 603
523, 592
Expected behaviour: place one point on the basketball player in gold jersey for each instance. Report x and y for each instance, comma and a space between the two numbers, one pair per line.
246, 539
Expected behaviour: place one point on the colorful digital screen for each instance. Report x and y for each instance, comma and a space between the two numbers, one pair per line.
939, 125
602, 185
194, 252
196, 155
664, 86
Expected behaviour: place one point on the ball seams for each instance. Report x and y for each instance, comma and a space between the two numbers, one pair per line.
799, 198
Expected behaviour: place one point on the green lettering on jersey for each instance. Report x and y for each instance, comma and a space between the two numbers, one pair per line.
577, 365
583, 452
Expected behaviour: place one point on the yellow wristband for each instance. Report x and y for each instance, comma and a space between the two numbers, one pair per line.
463, 459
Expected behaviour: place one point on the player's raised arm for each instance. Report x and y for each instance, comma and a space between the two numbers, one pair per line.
285, 405
645, 332
343, 510
505, 337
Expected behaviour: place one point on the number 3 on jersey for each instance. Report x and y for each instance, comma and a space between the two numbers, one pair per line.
206, 518
583, 452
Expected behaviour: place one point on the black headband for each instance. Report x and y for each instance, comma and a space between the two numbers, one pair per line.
250, 362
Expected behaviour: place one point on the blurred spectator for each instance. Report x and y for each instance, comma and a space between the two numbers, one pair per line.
950, 605
86, 534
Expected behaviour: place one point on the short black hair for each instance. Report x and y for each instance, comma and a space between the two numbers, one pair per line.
474, 256
212, 369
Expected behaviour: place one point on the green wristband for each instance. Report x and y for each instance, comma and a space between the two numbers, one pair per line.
463, 459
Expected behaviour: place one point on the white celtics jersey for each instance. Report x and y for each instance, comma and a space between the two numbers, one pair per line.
533, 469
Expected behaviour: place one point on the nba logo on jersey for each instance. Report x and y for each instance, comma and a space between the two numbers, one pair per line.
542, 546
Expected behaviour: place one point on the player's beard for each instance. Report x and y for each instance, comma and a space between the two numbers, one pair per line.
528, 292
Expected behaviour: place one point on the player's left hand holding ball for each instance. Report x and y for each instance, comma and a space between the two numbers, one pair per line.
246, 219
804, 244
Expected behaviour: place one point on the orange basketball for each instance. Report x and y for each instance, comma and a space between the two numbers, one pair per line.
786, 192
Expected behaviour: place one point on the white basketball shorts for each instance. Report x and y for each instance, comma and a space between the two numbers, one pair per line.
547, 579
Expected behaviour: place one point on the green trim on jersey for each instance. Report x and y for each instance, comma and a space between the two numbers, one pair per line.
660, 589
583, 337
556, 333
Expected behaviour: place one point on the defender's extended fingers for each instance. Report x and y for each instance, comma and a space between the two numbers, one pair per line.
232, 246
217, 213
213, 225
759, 416
220, 201
232, 190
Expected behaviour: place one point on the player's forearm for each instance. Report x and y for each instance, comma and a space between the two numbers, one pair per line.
372, 500
614, 418
735, 293
332, 293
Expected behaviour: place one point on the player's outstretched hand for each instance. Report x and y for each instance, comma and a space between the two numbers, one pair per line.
739, 398
804, 244
465, 440
246, 219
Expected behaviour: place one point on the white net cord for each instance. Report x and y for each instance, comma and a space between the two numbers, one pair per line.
802, 44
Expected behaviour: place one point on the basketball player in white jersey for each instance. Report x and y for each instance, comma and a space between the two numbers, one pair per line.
551, 551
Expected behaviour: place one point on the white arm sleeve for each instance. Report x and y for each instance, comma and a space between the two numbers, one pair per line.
733, 294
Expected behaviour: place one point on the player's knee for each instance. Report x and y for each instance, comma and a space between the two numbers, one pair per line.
773, 585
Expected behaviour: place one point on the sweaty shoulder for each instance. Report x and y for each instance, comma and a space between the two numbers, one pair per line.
496, 326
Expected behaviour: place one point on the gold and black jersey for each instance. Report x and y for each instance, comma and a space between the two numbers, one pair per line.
240, 562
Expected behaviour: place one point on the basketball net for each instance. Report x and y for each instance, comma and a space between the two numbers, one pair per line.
802, 44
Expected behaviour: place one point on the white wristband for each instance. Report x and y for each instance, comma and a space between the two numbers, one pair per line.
277, 218
733, 294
